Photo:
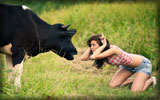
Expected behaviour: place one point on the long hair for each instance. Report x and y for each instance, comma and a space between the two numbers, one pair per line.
98, 63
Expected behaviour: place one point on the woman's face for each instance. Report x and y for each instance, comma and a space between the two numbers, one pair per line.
94, 46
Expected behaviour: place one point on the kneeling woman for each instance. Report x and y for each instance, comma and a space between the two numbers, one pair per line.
101, 51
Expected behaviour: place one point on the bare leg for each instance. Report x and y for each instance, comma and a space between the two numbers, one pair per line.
128, 81
120, 77
141, 82
148, 83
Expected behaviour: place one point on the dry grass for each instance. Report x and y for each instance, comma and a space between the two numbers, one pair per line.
79, 66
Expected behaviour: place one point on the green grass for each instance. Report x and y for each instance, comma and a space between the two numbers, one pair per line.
131, 26
65, 80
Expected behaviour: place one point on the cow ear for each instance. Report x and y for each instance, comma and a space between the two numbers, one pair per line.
71, 32
65, 26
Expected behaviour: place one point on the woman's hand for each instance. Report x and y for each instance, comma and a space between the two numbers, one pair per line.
103, 40
86, 55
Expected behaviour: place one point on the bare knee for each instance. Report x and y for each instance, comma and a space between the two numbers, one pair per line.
136, 90
113, 85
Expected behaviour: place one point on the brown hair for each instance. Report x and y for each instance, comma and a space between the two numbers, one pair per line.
98, 63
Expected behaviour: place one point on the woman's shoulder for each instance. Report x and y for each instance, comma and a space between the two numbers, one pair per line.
113, 46
116, 48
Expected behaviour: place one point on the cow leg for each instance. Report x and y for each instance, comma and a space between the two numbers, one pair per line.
9, 67
17, 60
18, 74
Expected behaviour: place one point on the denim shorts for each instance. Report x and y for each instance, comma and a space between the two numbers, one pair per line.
145, 67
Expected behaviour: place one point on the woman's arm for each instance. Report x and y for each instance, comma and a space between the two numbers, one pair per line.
86, 55
98, 55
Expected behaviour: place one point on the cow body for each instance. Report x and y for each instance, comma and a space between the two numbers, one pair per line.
23, 33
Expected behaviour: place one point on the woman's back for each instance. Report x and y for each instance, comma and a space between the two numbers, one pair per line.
123, 59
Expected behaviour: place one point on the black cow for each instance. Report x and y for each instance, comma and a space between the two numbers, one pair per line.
23, 33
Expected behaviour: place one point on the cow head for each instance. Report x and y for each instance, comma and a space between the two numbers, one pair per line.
64, 46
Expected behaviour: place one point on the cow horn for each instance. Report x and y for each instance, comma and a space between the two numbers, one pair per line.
66, 26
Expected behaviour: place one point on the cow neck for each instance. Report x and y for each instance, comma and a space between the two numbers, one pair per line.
41, 39
40, 27
38, 36
38, 39
37, 32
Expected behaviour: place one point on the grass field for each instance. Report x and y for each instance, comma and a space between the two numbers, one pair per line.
131, 26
